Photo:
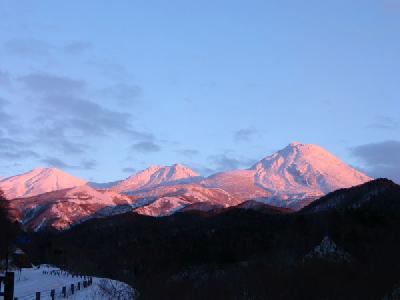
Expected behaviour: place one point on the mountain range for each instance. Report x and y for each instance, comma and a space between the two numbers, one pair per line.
291, 178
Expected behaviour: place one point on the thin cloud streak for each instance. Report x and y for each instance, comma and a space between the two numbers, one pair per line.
77, 47
43, 83
146, 147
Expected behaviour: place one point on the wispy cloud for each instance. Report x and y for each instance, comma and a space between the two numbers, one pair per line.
88, 164
381, 159
77, 47
56, 162
188, 152
18, 154
67, 115
146, 147
385, 122
85, 115
129, 170
62, 104
245, 135
8, 123
5, 118
36, 48
14, 149
67, 122
61, 164
46, 84
5, 80
109, 69
32, 48
225, 162
124, 93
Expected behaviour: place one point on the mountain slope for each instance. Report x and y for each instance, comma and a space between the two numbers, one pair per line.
38, 181
155, 176
239, 183
165, 200
63, 208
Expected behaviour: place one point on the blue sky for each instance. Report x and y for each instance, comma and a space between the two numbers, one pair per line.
103, 88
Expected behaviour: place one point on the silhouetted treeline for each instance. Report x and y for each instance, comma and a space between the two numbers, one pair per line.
8, 229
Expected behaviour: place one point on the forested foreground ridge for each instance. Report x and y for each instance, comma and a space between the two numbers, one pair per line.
343, 246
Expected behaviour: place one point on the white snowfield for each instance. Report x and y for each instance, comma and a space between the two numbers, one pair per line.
46, 278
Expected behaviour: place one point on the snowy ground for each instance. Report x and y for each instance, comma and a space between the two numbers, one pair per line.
32, 280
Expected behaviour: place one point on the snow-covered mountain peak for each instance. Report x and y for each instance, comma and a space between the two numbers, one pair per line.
300, 148
305, 170
294, 144
182, 170
43, 171
157, 175
151, 168
38, 181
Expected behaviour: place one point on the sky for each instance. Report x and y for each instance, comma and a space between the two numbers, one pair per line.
102, 89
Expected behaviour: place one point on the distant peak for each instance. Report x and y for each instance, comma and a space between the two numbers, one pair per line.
38, 181
156, 176
297, 146
152, 168
39, 169
179, 166
294, 144
43, 169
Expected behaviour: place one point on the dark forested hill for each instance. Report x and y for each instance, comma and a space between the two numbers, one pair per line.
243, 253
380, 195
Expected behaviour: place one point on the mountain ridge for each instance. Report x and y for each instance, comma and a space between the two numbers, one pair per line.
288, 179
155, 176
